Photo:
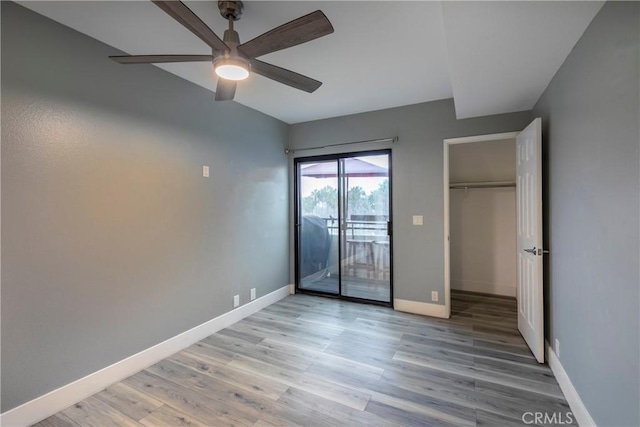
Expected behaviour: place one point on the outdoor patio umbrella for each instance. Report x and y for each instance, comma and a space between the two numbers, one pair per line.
353, 167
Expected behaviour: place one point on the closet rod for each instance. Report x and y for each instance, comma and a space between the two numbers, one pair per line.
485, 184
392, 139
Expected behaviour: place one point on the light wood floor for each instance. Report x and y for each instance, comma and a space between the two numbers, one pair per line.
313, 361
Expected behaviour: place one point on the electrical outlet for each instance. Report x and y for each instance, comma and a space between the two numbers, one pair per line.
236, 301
253, 294
557, 348
417, 220
434, 295
205, 171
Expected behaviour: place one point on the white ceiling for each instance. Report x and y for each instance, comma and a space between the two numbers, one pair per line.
502, 55
492, 57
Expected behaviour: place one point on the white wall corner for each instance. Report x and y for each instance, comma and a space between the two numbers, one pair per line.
579, 410
55, 401
424, 308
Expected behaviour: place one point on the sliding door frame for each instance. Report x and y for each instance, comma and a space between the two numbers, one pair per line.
297, 223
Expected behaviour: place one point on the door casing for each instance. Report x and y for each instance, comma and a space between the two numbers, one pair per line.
445, 180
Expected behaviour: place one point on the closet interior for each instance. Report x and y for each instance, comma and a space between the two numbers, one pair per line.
482, 209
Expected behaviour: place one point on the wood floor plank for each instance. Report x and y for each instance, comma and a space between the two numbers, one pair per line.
211, 353
333, 413
228, 397
406, 374
291, 335
266, 369
57, 420
347, 369
310, 361
252, 383
529, 372
186, 400
427, 408
435, 405
405, 417
245, 336
167, 416
128, 401
490, 419
531, 399
318, 386
367, 355
333, 391
515, 381
93, 412
293, 324
264, 354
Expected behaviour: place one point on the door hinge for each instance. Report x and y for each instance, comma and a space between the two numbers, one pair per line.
389, 228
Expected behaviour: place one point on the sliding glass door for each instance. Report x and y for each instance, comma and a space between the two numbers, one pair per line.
343, 224
317, 224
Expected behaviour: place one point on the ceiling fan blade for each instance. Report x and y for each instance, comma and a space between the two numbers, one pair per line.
226, 90
285, 76
181, 13
298, 31
156, 59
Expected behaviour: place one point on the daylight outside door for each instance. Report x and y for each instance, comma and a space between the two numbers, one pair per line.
529, 237
343, 226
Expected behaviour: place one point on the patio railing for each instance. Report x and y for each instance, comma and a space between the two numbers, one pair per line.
359, 229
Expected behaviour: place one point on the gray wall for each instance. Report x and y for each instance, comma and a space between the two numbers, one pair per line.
112, 241
417, 178
590, 117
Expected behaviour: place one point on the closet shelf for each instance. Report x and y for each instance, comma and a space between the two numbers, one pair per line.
483, 184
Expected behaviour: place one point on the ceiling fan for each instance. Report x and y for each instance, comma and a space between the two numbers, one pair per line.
233, 61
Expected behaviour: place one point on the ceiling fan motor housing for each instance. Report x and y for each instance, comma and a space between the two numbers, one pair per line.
230, 9
233, 55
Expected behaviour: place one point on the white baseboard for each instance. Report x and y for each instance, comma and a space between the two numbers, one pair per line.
580, 412
48, 404
424, 308
292, 288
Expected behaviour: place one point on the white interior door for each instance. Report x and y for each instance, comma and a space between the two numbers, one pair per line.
529, 240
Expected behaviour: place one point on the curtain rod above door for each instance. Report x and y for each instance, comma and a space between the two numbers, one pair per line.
393, 140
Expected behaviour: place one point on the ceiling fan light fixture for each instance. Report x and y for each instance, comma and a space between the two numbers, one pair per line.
231, 69
234, 61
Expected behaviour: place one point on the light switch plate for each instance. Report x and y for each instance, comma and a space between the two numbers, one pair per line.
417, 220
205, 171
